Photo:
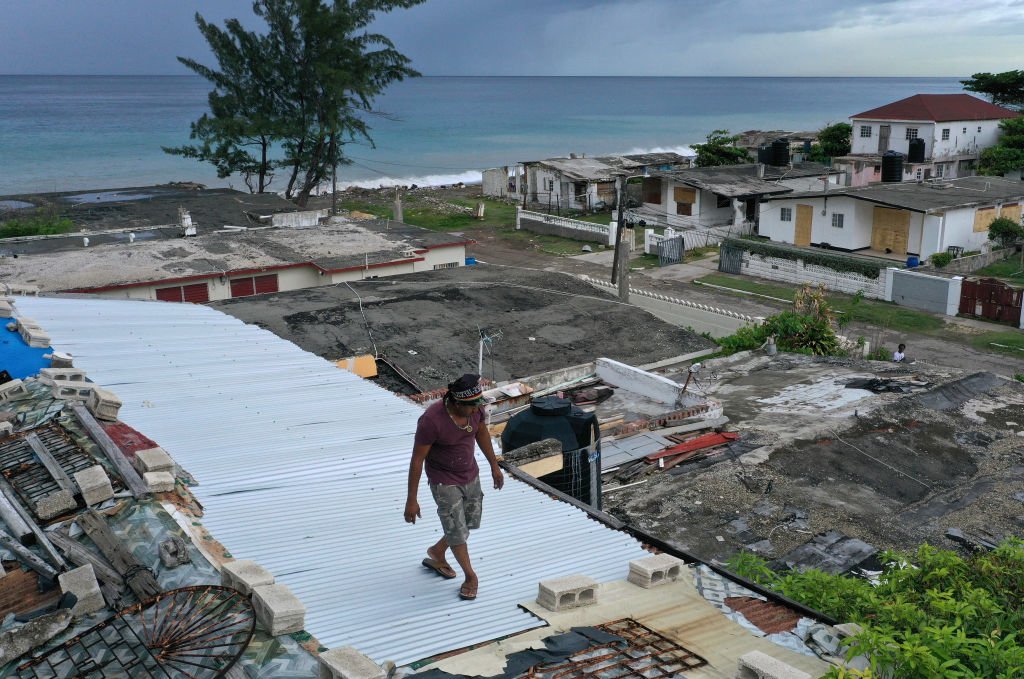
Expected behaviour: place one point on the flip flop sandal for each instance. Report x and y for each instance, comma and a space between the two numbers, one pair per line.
466, 595
443, 570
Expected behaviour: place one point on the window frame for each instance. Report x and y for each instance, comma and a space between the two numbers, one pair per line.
867, 129
912, 133
838, 217
945, 134
785, 214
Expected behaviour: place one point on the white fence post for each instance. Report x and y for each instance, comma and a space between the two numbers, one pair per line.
519, 213
613, 226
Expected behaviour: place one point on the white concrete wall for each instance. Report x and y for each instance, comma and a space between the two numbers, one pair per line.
964, 137
446, 255
297, 219
851, 237
796, 272
897, 136
959, 230
638, 381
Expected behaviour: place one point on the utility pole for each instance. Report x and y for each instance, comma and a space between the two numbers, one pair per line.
620, 268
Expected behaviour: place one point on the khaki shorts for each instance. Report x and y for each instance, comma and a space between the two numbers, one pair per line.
459, 508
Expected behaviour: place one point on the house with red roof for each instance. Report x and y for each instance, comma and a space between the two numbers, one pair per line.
939, 135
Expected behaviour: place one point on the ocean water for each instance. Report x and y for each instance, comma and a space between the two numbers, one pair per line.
71, 133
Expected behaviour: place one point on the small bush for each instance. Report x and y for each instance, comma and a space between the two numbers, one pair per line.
879, 354
1005, 231
1019, 377
941, 259
36, 225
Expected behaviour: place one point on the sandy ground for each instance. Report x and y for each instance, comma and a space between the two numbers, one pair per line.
429, 323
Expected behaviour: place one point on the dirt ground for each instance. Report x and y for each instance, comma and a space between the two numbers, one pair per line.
429, 324
891, 470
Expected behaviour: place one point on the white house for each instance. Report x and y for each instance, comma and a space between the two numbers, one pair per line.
954, 129
895, 218
723, 195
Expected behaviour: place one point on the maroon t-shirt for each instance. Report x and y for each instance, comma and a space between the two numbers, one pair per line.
452, 456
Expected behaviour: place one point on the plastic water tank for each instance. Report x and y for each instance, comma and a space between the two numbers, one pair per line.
780, 152
892, 166
915, 151
764, 154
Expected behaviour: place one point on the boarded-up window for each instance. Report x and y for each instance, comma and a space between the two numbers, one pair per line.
983, 217
1011, 211
683, 194
195, 293
652, 190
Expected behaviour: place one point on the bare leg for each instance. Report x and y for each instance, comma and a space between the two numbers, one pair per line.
461, 553
438, 550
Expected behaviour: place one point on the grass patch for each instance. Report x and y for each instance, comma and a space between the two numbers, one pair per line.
644, 262
1008, 269
871, 312
35, 225
1009, 342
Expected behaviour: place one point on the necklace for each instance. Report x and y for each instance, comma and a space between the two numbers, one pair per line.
464, 427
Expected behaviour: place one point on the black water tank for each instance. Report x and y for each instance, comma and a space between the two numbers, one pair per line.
892, 166
807, 145
780, 152
915, 154
764, 154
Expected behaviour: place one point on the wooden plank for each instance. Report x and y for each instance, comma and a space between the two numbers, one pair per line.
12, 519
136, 575
27, 557
81, 555
51, 464
8, 491
124, 468
694, 444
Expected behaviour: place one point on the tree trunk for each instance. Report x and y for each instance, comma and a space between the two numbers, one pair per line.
314, 173
264, 143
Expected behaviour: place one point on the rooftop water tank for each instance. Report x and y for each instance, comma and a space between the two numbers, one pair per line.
764, 154
780, 152
915, 152
892, 166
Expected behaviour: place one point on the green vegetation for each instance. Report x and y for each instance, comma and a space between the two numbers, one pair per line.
1010, 269
931, 614
1008, 153
1002, 341
720, 149
856, 309
1005, 231
1019, 377
866, 267
41, 224
1002, 89
941, 259
808, 329
289, 99
834, 140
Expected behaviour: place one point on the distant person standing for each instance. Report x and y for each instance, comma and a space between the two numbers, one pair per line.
899, 355
445, 435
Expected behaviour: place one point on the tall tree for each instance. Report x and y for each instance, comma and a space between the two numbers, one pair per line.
835, 139
1004, 89
1008, 153
306, 85
720, 149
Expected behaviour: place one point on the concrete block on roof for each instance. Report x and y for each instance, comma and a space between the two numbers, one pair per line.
348, 663
13, 390
561, 594
82, 583
94, 484
53, 376
6, 429
32, 334
18, 641
60, 359
103, 404
758, 665
244, 575
55, 504
655, 570
6, 309
153, 460
159, 482
278, 610
72, 391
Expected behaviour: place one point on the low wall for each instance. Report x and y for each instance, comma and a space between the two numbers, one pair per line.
917, 290
299, 219
796, 272
552, 225
975, 262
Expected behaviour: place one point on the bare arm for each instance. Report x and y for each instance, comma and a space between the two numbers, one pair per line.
483, 439
412, 506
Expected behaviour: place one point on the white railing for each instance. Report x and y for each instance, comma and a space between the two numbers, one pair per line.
606, 231
692, 238
757, 320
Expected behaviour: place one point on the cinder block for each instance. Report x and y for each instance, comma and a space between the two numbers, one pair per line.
53, 376
94, 484
13, 390
655, 570
159, 482
560, 594
758, 665
244, 575
60, 359
72, 391
278, 610
103, 404
6, 429
82, 583
153, 460
6, 309
33, 335
55, 504
348, 663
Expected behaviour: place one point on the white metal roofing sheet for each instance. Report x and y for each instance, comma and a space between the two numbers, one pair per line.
303, 468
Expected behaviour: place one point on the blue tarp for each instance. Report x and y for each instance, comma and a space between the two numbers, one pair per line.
18, 358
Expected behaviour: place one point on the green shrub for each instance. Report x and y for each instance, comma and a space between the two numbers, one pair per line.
1019, 377
1005, 231
36, 225
941, 259
793, 331
834, 261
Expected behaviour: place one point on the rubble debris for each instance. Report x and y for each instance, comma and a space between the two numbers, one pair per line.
831, 552
883, 385
16, 642
174, 552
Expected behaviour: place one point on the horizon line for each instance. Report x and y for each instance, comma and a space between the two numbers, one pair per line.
477, 75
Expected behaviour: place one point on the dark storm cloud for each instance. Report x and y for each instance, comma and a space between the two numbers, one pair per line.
565, 37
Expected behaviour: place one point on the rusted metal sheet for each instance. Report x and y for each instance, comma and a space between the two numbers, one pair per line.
992, 299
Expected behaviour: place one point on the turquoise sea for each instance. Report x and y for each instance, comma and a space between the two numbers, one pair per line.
63, 133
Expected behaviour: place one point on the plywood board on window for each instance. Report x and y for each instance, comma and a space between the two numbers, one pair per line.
983, 217
802, 230
1011, 211
684, 194
890, 230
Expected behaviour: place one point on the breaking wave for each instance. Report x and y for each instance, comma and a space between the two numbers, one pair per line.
467, 177
681, 150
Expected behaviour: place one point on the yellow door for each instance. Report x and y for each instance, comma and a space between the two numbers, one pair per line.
802, 232
890, 230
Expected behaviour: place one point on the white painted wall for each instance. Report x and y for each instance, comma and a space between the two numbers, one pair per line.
965, 137
850, 237
445, 255
795, 272
897, 135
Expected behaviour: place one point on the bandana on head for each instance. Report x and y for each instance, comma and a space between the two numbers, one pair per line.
467, 389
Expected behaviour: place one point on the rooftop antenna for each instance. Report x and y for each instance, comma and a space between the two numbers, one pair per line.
488, 340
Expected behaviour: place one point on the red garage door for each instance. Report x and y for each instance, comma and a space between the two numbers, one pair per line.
257, 285
195, 293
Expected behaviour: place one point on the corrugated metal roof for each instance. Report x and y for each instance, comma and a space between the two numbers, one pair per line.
303, 468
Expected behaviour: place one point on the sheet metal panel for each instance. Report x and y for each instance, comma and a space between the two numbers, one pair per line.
303, 468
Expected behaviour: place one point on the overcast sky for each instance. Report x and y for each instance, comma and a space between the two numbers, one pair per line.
559, 37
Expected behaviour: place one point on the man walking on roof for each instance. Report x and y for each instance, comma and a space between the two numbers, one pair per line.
445, 435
